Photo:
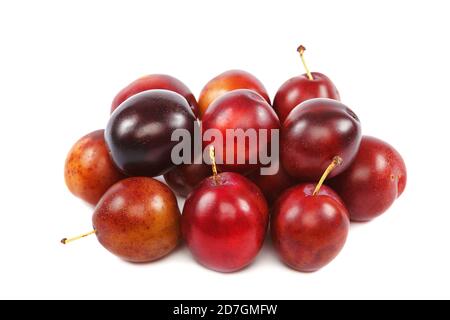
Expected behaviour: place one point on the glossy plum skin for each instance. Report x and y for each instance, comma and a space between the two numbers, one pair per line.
155, 81
309, 231
314, 133
376, 178
224, 223
299, 89
226, 82
185, 177
239, 109
89, 170
139, 133
138, 220
272, 186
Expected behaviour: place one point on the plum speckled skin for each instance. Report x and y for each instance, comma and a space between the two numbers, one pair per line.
376, 178
139, 132
301, 88
138, 220
89, 170
155, 81
224, 223
226, 82
314, 133
309, 231
240, 109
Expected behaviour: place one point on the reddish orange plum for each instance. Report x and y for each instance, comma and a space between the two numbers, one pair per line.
89, 170
226, 82
138, 220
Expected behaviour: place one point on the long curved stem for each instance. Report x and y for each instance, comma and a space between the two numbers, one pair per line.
337, 161
212, 157
301, 50
68, 240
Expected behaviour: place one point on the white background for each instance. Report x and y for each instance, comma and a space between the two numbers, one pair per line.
62, 62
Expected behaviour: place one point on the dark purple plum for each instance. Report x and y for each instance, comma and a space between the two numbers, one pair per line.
139, 132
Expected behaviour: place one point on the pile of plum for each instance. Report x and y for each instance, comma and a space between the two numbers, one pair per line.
328, 173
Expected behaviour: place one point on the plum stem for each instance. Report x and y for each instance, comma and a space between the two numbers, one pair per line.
212, 157
337, 161
68, 240
301, 49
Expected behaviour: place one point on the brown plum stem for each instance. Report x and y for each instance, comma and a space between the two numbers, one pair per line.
301, 50
212, 157
337, 161
68, 240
